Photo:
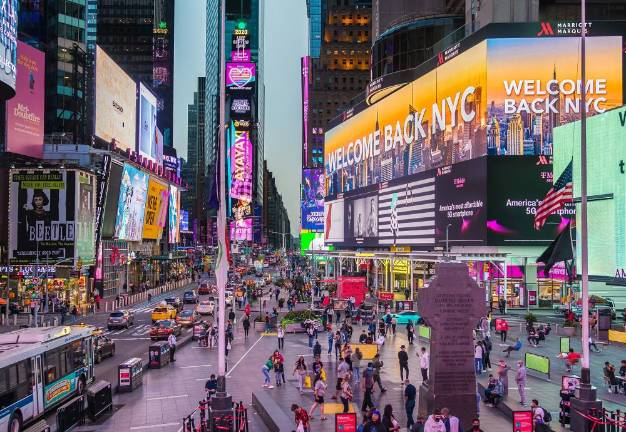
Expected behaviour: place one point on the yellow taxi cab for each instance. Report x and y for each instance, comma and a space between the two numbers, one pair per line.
163, 312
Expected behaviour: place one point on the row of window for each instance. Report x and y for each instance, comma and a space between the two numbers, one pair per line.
64, 360
15, 383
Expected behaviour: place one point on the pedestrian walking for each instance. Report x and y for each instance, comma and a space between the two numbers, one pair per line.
502, 306
520, 379
317, 349
319, 391
301, 418
342, 371
171, 341
356, 358
503, 375
368, 384
300, 372
410, 332
330, 337
394, 324
424, 363
403, 359
410, 392
280, 333
246, 326
487, 346
504, 330
389, 420
346, 393
337, 342
375, 423
478, 358
452, 423
378, 364
311, 333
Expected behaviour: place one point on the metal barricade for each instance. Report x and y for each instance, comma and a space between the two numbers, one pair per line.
202, 420
71, 413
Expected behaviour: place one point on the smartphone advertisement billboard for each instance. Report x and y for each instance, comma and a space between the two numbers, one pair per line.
312, 202
131, 204
148, 141
43, 206
453, 113
155, 217
25, 111
116, 110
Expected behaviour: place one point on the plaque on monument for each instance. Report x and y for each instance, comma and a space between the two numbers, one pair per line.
451, 306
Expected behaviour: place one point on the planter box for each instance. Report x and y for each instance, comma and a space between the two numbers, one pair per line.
259, 326
567, 331
294, 328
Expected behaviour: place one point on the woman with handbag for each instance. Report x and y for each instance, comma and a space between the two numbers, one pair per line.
346, 393
300, 371
319, 390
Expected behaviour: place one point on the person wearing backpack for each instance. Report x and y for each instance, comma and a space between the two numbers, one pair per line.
542, 417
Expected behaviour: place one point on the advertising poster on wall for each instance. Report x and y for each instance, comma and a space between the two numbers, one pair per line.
240, 47
131, 204
513, 202
240, 76
312, 203
25, 111
333, 221
312, 241
43, 206
155, 217
116, 110
174, 215
241, 164
361, 219
241, 230
461, 205
147, 124
85, 218
406, 211
8, 47
112, 200
452, 113
184, 221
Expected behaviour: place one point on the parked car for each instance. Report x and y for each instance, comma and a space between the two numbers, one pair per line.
175, 303
404, 317
120, 319
187, 318
163, 328
103, 347
190, 297
206, 307
163, 313
203, 288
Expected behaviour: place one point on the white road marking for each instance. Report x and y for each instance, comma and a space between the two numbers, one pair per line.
243, 356
167, 397
130, 339
196, 366
155, 426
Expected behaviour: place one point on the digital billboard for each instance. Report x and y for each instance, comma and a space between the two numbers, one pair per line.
333, 221
312, 241
170, 159
240, 75
147, 128
500, 96
241, 153
184, 221
43, 208
240, 48
241, 105
241, 230
174, 215
361, 219
155, 216
305, 70
606, 188
131, 204
513, 201
461, 210
116, 116
312, 203
25, 111
85, 218
8, 47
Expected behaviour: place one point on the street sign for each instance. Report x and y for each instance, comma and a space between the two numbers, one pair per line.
345, 422
522, 421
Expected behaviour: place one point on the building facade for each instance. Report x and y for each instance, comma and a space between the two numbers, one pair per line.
278, 226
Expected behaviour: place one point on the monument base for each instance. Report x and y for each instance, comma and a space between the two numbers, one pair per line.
463, 406
585, 403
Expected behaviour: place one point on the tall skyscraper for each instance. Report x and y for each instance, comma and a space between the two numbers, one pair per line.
515, 136
139, 36
315, 12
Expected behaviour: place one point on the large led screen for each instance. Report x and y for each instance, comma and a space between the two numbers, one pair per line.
241, 165
241, 230
116, 116
85, 218
501, 97
461, 211
312, 203
43, 209
8, 47
513, 201
333, 221
25, 111
361, 219
174, 215
240, 75
155, 217
312, 241
148, 141
112, 200
131, 204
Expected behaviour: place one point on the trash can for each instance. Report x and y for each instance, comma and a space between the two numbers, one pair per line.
604, 323
158, 354
99, 399
130, 375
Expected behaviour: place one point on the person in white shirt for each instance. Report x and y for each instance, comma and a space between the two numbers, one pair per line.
435, 423
424, 363
537, 410
478, 358
452, 423
171, 341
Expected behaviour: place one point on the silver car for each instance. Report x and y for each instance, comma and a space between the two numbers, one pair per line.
120, 319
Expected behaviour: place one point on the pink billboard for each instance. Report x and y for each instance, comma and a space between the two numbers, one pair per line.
240, 75
305, 66
241, 230
241, 166
25, 111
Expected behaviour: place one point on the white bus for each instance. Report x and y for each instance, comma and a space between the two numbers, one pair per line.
39, 369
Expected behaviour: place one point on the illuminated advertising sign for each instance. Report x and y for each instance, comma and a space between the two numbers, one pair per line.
241, 230
454, 113
240, 50
174, 215
43, 209
361, 219
333, 221
305, 64
25, 111
184, 221
241, 105
148, 125
240, 75
312, 203
85, 218
513, 201
312, 241
8, 47
131, 204
116, 116
112, 200
606, 174
461, 207
155, 216
241, 165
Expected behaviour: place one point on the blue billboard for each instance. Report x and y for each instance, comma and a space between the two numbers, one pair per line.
312, 201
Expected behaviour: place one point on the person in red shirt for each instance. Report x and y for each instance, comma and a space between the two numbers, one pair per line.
504, 329
572, 359
301, 416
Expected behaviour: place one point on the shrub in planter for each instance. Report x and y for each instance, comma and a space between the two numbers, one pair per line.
530, 318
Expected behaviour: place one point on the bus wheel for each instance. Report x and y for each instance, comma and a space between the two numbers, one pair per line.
81, 386
15, 424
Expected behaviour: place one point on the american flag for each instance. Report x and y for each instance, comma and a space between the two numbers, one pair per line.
560, 193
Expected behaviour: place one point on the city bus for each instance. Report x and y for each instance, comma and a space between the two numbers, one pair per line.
39, 369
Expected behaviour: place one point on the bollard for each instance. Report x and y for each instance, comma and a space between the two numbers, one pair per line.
55, 322
14, 319
2, 319
30, 320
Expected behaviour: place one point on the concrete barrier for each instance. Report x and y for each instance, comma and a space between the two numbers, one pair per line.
272, 415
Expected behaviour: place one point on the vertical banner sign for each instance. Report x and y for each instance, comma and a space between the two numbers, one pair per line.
156, 210
240, 50
241, 166
174, 215
312, 202
305, 63
8, 47
85, 216
42, 206
101, 197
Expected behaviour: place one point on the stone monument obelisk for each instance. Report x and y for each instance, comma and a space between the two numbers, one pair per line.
451, 306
